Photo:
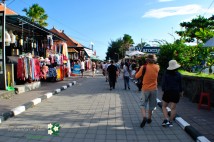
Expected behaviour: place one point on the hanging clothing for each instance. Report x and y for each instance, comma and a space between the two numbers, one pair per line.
20, 69
26, 68
37, 69
33, 69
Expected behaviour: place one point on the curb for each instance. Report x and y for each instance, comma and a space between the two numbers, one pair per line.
197, 136
18, 110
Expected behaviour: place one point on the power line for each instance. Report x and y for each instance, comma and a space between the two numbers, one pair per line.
89, 39
209, 7
11, 2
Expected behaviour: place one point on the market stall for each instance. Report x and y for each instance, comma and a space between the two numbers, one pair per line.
36, 53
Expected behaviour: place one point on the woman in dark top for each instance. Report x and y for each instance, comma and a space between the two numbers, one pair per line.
172, 88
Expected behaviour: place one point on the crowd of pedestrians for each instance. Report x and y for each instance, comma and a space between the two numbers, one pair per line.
145, 75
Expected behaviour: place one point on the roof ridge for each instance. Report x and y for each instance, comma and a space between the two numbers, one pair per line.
8, 10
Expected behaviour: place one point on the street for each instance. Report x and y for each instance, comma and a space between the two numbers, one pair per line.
90, 112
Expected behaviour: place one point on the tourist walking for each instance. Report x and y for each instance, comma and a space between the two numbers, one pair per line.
172, 89
149, 88
82, 67
93, 69
126, 75
112, 73
106, 72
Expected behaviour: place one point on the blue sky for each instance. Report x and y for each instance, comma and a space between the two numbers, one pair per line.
101, 21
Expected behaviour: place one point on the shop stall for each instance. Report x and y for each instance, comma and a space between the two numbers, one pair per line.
34, 52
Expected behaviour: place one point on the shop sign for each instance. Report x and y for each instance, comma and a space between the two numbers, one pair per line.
151, 50
76, 69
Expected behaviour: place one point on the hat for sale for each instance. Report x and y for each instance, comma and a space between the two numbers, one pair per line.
47, 60
173, 65
41, 59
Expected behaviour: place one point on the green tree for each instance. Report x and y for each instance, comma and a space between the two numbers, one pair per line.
113, 51
127, 43
204, 34
36, 14
139, 46
195, 28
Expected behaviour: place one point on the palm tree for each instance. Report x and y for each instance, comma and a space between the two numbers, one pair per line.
127, 42
36, 14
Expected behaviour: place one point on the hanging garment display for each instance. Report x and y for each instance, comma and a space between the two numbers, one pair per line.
37, 69
20, 69
33, 69
52, 72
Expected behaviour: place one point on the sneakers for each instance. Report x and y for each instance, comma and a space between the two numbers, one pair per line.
167, 123
170, 124
143, 122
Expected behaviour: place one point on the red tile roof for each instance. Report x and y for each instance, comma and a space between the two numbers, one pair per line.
8, 11
70, 42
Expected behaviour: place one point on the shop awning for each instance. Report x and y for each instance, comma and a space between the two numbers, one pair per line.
72, 50
94, 58
89, 52
23, 24
91, 55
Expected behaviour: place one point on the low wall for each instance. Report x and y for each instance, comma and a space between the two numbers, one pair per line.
193, 86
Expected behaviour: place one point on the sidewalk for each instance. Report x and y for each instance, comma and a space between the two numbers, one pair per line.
201, 120
13, 100
90, 112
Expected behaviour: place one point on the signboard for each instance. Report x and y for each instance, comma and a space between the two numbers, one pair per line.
76, 69
151, 50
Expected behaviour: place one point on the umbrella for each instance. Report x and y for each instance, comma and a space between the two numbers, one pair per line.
134, 53
209, 43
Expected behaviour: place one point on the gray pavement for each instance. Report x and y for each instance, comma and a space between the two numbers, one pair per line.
6, 104
89, 111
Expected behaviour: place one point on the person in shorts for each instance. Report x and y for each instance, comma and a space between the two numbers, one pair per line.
82, 67
149, 88
172, 89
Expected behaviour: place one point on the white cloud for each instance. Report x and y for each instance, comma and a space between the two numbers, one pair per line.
173, 11
164, 0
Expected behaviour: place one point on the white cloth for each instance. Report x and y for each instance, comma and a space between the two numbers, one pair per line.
106, 66
82, 65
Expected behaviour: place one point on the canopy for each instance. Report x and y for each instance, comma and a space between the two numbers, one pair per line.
72, 50
94, 58
209, 43
135, 53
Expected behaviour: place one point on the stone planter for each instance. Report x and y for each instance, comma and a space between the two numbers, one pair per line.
193, 86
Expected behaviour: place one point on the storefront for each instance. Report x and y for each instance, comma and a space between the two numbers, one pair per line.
30, 53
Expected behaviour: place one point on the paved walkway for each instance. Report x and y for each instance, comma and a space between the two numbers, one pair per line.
89, 111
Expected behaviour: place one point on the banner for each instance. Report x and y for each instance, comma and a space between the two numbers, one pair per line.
76, 69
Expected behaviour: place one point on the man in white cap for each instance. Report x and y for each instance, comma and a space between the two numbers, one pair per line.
172, 88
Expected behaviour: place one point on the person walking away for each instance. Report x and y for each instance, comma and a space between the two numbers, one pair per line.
103, 68
93, 68
82, 67
172, 89
149, 88
126, 75
112, 72
106, 72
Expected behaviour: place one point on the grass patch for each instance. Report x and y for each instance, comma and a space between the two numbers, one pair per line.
203, 75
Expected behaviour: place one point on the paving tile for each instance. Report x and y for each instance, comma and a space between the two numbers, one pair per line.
90, 113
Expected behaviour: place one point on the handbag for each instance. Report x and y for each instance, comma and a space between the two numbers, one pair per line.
140, 79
